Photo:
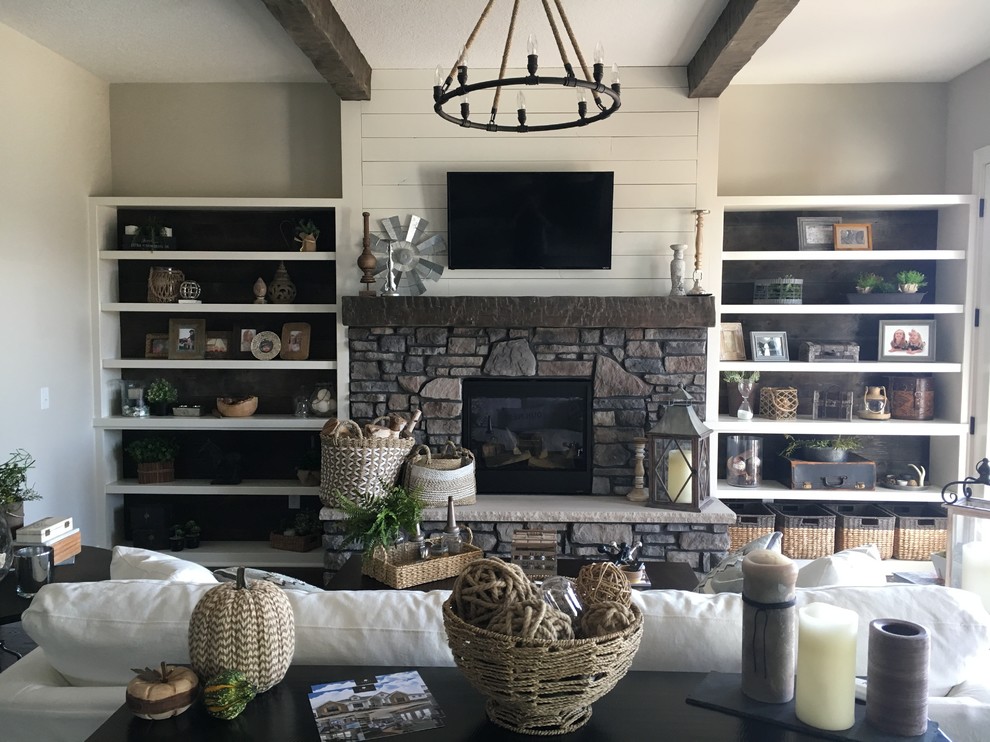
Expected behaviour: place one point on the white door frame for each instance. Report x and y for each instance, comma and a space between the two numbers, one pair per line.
979, 446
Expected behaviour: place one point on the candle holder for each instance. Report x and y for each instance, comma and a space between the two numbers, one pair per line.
699, 225
967, 563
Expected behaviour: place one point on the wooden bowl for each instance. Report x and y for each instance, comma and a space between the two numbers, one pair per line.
237, 407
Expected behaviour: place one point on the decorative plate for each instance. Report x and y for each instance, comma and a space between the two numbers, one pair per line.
905, 487
265, 346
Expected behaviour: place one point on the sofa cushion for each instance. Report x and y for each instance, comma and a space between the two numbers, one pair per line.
128, 563
859, 567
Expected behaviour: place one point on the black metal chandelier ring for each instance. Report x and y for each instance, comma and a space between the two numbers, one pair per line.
571, 82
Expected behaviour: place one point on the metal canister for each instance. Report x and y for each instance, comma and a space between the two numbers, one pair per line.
912, 397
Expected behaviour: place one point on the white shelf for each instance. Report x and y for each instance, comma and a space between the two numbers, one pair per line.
196, 203
776, 491
170, 308
824, 367
203, 487
804, 427
211, 422
885, 309
775, 256
174, 255
216, 554
217, 364
887, 203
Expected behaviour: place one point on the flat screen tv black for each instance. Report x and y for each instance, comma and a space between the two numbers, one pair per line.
508, 220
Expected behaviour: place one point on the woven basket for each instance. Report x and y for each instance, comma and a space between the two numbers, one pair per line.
919, 531
808, 530
358, 465
448, 474
753, 519
156, 472
859, 525
540, 687
779, 402
294, 543
400, 566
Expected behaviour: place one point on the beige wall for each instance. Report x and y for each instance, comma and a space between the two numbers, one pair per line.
968, 126
240, 140
55, 151
832, 139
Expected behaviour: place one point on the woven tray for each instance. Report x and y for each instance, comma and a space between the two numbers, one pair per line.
919, 531
294, 543
540, 687
858, 525
400, 566
808, 530
753, 519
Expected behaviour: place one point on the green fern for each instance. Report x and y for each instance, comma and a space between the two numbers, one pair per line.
377, 521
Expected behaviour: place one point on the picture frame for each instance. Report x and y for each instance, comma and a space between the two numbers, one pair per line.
186, 339
156, 345
909, 340
816, 232
241, 341
769, 345
217, 345
732, 346
295, 341
849, 236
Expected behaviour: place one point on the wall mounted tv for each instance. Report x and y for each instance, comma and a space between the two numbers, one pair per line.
509, 220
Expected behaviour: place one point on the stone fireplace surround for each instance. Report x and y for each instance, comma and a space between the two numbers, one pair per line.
411, 353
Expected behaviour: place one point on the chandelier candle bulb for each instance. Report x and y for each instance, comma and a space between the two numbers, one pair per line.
825, 686
599, 53
976, 570
532, 45
769, 635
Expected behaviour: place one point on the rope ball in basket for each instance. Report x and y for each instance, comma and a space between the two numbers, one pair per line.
600, 582
607, 617
486, 586
532, 619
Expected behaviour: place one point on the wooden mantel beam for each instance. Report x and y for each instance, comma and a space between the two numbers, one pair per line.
743, 27
317, 29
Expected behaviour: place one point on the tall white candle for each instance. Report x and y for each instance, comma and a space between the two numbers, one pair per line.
825, 687
976, 570
678, 477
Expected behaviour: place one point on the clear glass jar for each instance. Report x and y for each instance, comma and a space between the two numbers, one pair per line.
743, 460
323, 401
132, 402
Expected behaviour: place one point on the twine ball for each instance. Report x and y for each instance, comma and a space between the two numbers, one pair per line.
486, 586
532, 619
602, 581
606, 617
244, 627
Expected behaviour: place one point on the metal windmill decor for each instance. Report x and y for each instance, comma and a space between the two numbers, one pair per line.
402, 256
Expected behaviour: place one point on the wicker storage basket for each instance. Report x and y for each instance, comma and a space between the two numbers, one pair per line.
446, 474
919, 530
400, 566
540, 687
294, 543
156, 472
779, 402
359, 465
753, 519
808, 530
858, 525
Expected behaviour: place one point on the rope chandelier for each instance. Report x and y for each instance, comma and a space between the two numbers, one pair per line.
442, 92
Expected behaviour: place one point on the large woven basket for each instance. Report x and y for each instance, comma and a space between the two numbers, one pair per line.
359, 465
540, 687
753, 519
435, 477
919, 530
861, 524
400, 566
808, 530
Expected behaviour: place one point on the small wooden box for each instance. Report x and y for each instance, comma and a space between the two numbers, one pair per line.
816, 352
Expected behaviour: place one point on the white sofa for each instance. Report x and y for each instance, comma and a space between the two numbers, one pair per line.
90, 635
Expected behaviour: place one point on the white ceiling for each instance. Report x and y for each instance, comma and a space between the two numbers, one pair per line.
822, 41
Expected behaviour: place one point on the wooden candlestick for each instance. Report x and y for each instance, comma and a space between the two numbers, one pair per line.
638, 493
366, 261
699, 218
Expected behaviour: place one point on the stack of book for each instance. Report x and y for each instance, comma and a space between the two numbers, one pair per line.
57, 533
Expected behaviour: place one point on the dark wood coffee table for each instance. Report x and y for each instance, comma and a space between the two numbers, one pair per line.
643, 706
662, 576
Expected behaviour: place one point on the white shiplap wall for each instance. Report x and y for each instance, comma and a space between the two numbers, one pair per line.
661, 145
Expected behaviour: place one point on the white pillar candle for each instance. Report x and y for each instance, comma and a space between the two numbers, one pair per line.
976, 570
825, 687
678, 477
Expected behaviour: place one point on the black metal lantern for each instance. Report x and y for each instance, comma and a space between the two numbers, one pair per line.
679, 460
967, 562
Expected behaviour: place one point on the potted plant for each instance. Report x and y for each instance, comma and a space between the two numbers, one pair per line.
177, 540
306, 234
192, 532
821, 449
869, 282
14, 489
155, 458
161, 393
301, 532
378, 521
908, 282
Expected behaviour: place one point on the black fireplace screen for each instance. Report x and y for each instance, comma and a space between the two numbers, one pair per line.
529, 436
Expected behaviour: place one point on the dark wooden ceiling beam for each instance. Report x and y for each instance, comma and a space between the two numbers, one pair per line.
317, 29
743, 27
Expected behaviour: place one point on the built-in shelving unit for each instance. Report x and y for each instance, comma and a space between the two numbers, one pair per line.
224, 244
759, 239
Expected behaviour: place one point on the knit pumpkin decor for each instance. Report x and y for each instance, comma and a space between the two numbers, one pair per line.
245, 627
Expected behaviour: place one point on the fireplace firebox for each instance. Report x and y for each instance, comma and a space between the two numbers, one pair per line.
529, 435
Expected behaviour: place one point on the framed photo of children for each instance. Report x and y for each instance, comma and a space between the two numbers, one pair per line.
768, 345
909, 340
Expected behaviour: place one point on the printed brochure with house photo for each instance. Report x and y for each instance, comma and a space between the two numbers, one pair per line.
374, 707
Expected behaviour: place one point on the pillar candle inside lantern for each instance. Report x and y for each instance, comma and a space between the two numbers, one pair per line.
678, 477
976, 570
825, 687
